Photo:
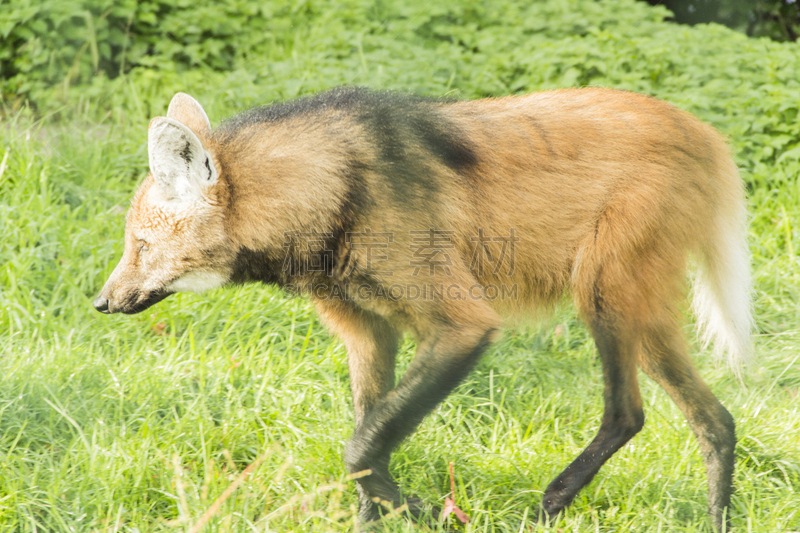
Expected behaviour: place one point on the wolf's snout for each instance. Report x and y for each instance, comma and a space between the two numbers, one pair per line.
101, 304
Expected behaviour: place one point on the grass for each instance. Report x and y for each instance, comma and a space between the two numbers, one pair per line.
139, 423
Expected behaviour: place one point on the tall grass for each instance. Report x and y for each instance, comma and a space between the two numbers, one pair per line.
126, 423
141, 423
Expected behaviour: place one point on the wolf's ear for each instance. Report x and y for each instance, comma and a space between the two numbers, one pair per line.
180, 165
188, 111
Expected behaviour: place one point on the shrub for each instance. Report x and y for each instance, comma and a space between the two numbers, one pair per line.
129, 57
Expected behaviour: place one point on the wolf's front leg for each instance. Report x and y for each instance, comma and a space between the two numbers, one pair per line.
371, 348
451, 338
444, 356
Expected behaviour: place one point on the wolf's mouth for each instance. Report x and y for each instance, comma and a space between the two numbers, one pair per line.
132, 303
142, 304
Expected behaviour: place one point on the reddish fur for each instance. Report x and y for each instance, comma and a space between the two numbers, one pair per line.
609, 192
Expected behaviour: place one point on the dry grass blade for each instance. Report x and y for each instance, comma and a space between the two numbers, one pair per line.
211, 511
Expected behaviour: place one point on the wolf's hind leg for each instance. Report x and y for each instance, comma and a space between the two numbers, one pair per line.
664, 359
623, 417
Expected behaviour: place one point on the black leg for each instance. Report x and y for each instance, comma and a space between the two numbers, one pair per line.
440, 364
664, 359
622, 418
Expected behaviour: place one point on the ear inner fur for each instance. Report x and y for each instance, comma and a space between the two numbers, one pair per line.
178, 162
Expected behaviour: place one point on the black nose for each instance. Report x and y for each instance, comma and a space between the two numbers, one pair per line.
101, 304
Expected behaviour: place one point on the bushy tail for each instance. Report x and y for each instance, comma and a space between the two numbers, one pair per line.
722, 289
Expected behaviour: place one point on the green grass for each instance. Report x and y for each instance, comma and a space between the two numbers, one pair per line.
126, 423
139, 423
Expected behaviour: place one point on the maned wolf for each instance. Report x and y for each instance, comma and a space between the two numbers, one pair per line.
434, 217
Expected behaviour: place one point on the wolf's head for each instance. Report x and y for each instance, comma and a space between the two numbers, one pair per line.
175, 236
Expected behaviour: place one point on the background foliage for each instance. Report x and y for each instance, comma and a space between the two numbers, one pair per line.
777, 19
59, 54
137, 423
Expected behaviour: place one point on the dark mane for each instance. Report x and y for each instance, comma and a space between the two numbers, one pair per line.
397, 125
354, 99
